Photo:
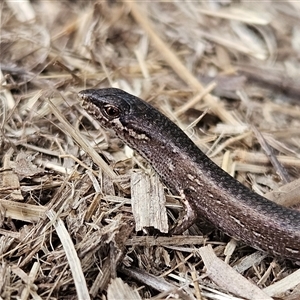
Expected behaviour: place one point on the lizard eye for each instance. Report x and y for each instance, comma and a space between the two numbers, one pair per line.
111, 111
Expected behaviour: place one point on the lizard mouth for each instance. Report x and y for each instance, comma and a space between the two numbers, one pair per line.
90, 107
84, 101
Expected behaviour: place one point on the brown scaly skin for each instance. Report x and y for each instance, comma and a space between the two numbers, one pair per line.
205, 188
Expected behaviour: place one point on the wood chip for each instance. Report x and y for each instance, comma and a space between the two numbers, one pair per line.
227, 278
118, 289
148, 202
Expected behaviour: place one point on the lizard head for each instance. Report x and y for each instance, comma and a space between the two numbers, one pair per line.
132, 119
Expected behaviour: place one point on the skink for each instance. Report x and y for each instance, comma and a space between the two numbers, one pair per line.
204, 187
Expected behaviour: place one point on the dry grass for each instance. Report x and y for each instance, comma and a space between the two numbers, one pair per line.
224, 72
